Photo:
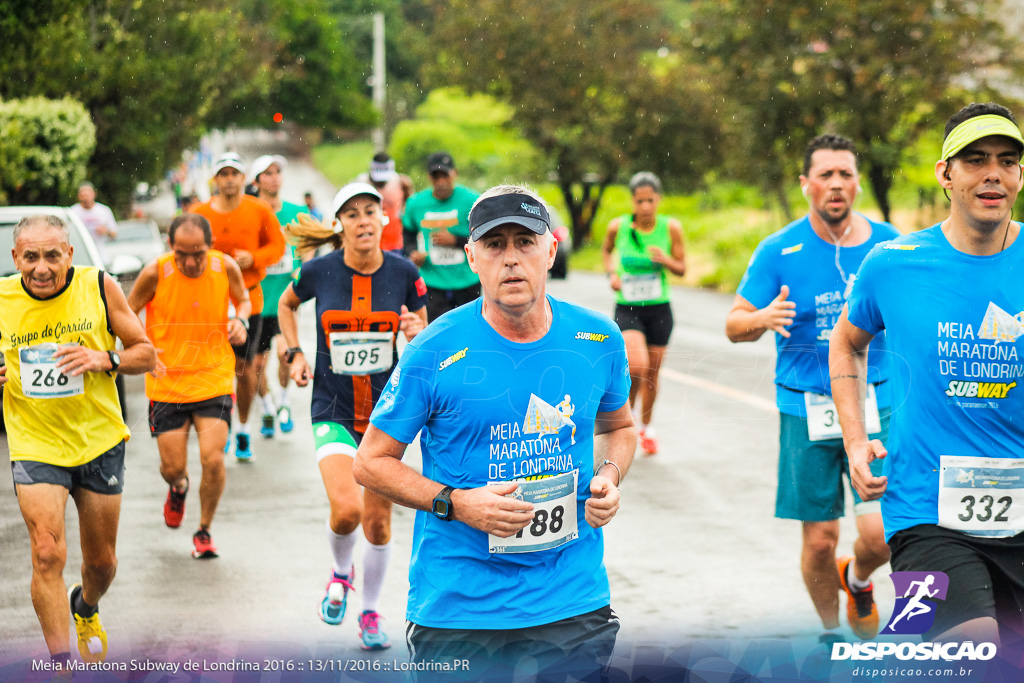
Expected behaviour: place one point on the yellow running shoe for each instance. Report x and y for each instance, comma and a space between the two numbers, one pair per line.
92, 639
861, 610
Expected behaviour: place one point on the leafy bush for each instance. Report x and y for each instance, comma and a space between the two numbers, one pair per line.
44, 148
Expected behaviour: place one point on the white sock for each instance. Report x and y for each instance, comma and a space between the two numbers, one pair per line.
243, 428
282, 397
268, 404
342, 550
852, 581
648, 430
375, 567
644, 428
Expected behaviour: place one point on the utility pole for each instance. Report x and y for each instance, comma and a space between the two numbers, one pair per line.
379, 143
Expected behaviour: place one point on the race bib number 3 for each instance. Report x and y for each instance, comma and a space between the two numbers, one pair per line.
641, 287
40, 377
447, 256
283, 266
981, 496
554, 516
823, 420
360, 353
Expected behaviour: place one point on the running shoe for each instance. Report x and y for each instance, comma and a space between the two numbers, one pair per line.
284, 419
242, 451
332, 607
204, 548
370, 631
267, 429
174, 506
861, 610
92, 639
648, 443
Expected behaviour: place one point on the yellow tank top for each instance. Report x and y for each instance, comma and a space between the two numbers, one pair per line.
55, 418
187, 321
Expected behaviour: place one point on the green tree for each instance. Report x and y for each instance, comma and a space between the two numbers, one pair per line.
314, 77
471, 129
878, 71
585, 87
152, 75
155, 76
407, 24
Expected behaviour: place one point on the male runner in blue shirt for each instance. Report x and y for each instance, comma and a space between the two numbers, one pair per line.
507, 558
950, 300
795, 285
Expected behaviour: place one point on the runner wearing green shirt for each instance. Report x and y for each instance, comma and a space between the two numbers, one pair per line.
649, 247
266, 174
436, 224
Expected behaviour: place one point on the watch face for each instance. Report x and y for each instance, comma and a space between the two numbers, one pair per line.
441, 508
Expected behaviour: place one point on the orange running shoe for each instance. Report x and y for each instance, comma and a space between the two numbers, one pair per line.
648, 443
861, 610
204, 548
174, 506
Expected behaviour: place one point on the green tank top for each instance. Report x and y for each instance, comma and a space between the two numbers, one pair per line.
644, 283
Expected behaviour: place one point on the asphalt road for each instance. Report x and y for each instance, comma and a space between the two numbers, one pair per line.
695, 552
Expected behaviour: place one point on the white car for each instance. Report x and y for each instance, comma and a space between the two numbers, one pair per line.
137, 237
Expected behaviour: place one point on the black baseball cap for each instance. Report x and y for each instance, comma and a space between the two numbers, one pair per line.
520, 209
440, 161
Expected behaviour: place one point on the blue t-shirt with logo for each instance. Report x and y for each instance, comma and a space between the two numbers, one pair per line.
491, 410
954, 324
797, 257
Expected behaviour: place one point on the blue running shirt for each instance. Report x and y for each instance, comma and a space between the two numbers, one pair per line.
350, 304
953, 323
797, 257
491, 410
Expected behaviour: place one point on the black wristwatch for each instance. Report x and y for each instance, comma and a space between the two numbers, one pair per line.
244, 321
115, 361
289, 355
442, 507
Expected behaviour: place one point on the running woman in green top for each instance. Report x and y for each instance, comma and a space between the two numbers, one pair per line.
649, 247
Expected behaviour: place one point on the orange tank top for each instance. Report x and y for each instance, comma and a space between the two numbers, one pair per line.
187, 321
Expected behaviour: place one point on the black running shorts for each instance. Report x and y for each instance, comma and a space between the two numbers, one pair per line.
575, 648
440, 301
268, 330
103, 474
655, 321
986, 575
169, 417
247, 349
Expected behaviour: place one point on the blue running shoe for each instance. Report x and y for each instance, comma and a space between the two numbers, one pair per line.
267, 428
371, 632
284, 419
227, 442
242, 451
332, 607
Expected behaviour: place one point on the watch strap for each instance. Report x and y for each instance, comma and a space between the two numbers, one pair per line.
444, 495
